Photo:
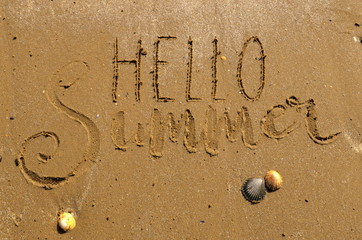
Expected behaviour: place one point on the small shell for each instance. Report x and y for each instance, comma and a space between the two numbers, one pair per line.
66, 221
273, 180
254, 189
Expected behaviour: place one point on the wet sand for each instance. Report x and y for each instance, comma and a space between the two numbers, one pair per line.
146, 117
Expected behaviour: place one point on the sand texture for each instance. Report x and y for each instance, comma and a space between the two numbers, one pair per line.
145, 118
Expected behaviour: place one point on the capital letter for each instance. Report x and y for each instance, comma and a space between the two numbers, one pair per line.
189, 74
157, 62
136, 62
262, 69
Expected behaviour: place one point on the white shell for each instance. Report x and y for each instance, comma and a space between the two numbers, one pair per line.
254, 189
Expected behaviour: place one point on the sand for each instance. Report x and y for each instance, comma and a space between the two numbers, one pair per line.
144, 118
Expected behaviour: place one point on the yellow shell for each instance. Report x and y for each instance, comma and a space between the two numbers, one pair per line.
66, 221
273, 180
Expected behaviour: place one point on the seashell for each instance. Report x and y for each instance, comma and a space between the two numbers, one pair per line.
273, 180
66, 221
254, 189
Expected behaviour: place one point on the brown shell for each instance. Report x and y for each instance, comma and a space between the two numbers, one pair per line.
254, 189
273, 180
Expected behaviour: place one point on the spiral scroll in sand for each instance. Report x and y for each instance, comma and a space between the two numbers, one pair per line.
72, 72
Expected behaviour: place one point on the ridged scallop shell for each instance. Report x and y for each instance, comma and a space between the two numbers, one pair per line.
273, 180
254, 189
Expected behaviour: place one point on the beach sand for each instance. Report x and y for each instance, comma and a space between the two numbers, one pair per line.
146, 117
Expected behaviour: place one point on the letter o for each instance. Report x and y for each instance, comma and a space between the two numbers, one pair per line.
262, 69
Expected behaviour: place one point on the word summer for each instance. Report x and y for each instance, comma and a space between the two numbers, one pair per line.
235, 129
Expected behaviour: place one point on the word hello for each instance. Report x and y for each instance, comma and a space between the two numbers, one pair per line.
157, 62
